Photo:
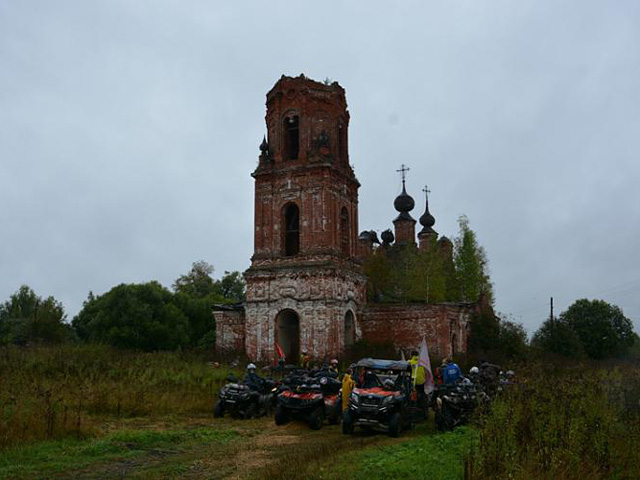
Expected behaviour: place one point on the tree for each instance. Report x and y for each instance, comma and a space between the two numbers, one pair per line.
426, 275
379, 271
231, 286
556, 336
512, 339
197, 292
27, 318
471, 265
136, 316
198, 282
602, 328
484, 336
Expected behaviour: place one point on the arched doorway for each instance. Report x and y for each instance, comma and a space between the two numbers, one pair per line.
454, 340
288, 334
349, 329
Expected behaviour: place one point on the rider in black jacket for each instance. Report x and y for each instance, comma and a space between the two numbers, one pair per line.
252, 379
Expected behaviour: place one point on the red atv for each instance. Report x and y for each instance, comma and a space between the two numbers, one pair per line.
383, 399
309, 398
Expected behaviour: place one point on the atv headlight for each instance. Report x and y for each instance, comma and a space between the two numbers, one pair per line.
355, 398
387, 400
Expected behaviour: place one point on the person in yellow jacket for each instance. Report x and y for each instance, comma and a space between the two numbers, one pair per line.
347, 386
417, 377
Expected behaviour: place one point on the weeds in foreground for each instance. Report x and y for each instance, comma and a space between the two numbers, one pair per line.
578, 422
56, 392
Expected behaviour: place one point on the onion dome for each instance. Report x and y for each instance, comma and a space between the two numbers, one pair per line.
404, 203
444, 239
427, 220
387, 237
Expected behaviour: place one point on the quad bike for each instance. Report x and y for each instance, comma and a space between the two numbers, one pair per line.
245, 401
311, 399
454, 404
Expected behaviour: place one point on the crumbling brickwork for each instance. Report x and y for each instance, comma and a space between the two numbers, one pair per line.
445, 326
230, 330
305, 286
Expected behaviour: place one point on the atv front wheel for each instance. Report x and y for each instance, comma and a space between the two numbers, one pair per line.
395, 425
347, 423
251, 411
316, 419
218, 410
281, 417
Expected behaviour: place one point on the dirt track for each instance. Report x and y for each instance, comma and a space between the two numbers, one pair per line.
261, 450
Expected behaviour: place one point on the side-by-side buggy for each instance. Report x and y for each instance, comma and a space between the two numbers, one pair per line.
383, 398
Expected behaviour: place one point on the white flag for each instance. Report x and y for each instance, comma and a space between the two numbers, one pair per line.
423, 361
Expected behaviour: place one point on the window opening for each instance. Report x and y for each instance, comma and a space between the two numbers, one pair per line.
291, 137
292, 230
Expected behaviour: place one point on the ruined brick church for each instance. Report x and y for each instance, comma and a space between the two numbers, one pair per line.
306, 289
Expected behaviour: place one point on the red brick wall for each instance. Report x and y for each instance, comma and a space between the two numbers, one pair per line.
230, 331
405, 231
405, 324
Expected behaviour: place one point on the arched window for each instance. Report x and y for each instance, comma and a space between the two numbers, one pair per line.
291, 140
291, 230
349, 329
344, 231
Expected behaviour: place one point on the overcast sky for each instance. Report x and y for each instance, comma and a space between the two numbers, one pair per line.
129, 129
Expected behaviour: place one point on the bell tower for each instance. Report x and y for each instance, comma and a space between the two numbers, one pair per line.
305, 287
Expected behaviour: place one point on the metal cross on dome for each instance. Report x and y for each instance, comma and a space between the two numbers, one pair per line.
403, 169
426, 191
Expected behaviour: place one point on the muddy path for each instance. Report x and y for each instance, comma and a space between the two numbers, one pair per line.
261, 450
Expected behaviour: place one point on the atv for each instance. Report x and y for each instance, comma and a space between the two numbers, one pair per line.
383, 398
310, 398
244, 401
454, 404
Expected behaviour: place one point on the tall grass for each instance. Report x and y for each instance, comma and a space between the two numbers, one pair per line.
54, 392
567, 422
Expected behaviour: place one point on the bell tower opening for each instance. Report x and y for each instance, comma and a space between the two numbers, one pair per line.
288, 334
291, 230
291, 129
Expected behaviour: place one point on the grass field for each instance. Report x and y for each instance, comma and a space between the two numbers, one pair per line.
95, 412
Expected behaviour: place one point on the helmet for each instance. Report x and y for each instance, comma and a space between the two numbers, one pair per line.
251, 366
474, 370
388, 383
334, 362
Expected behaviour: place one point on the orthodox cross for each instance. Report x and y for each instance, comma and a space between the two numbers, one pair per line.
404, 171
426, 192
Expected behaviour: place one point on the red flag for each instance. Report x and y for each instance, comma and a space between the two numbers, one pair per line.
279, 351
423, 360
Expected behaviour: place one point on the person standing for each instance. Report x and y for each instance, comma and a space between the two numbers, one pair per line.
451, 373
417, 377
347, 387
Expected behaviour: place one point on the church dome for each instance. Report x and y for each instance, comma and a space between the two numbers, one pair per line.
404, 202
387, 236
427, 220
